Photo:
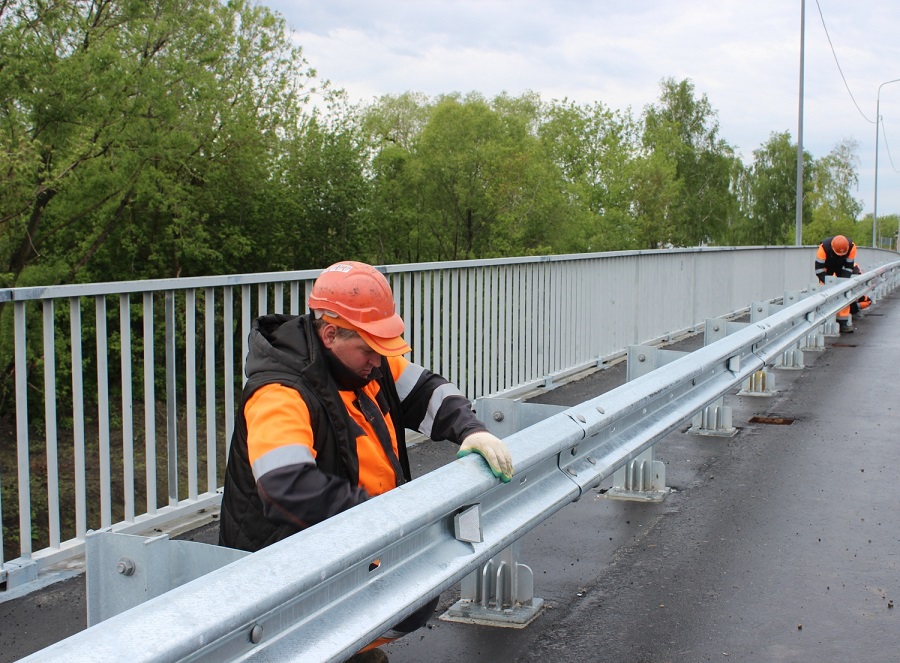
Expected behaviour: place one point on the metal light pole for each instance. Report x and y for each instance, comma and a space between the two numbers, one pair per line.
875, 201
798, 224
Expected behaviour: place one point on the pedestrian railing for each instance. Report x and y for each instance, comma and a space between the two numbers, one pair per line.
365, 569
125, 392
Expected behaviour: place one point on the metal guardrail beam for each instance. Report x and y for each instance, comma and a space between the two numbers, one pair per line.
326, 592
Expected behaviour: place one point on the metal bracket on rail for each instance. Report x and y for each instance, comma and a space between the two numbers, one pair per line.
17, 572
124, 570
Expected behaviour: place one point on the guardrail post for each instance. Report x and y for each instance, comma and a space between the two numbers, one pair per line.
716, 418
500, 592
761, 382
815, 340
643, 479
792, 358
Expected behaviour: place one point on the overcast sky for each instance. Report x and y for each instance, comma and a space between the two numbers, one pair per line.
744, 55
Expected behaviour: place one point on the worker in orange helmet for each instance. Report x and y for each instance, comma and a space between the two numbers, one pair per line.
321, 422
835, 257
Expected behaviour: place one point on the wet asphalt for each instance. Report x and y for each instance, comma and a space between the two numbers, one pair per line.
781, 543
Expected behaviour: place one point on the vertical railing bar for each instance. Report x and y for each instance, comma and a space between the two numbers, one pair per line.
566, 321
279, 297
527, 325
506, 354
171, 403
418, 353
552, 318
190, 386
515, 313
149, 404
481, 333
407, 314
1, 521
228, 341
103, 411
446, 325
454, 326
24, 473
127, 406
78, 432
541, 315
209, 330
295, 298
50, 427
493, 329
427, 316
262, 297
245, 329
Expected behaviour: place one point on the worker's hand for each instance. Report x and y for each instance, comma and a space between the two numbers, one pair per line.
494, 452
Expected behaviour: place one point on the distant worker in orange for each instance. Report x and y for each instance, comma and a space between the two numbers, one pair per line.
321, 423
836, 257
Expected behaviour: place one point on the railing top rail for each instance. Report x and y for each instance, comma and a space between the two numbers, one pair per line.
126, 287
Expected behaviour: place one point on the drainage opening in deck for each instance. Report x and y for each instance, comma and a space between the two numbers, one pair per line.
776, 421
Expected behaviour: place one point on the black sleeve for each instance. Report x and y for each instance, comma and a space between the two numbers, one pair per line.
435, 408
302, 495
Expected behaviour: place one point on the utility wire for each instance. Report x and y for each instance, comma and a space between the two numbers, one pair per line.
839, 66
888, 147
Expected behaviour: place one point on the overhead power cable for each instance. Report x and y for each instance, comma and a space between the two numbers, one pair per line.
839, 65
888, 147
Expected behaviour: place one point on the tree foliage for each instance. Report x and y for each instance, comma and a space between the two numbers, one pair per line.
160, 138
122, 120
683, 130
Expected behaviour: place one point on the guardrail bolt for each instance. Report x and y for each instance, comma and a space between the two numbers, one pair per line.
256, 634
125, 566
642, 358
498, 416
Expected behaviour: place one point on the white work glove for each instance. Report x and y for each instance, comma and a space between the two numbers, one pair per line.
493, 450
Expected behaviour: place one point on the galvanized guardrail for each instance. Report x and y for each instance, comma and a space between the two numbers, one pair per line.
326, 592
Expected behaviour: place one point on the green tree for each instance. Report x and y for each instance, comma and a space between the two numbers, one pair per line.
685, 130
117, 116
597, 151
834, 210
771, 194
474, 182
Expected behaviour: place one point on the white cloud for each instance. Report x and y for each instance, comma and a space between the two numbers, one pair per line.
745, 56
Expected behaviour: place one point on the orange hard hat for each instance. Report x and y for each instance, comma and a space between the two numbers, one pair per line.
357, 296
840, 245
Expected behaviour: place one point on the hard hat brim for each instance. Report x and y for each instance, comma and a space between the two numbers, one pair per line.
387, 346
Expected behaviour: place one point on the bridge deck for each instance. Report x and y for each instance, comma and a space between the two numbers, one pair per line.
779, 544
